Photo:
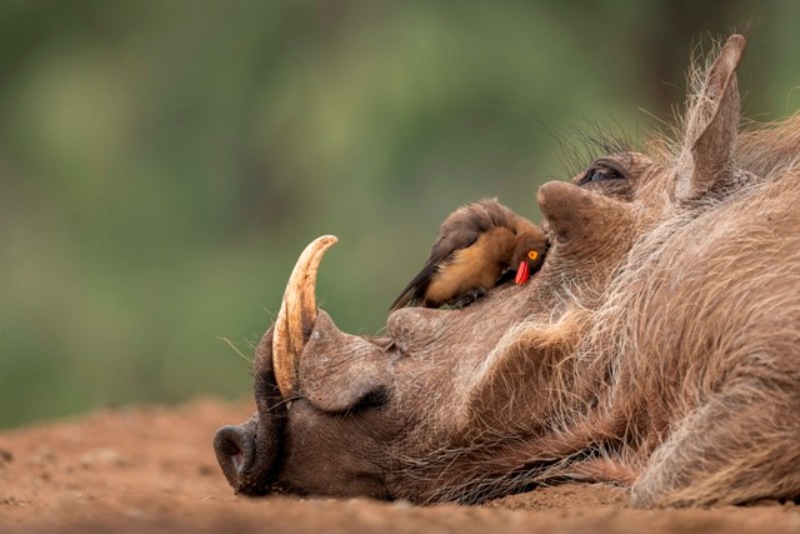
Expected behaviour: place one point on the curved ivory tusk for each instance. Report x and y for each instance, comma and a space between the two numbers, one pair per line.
297, 315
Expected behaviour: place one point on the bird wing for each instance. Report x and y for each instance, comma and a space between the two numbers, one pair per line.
460, 230
441, 254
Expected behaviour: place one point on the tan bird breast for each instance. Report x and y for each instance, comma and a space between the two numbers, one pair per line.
478, 265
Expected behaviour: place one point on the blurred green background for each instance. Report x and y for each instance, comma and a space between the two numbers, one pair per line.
162, 163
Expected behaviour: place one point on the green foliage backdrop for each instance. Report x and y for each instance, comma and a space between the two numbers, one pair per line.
162, 163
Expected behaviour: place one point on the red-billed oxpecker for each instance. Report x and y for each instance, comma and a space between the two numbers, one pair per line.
480, 245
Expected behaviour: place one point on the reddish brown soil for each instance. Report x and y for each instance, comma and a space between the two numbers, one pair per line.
153, 470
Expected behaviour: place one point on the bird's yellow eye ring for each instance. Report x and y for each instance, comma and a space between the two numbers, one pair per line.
533, 255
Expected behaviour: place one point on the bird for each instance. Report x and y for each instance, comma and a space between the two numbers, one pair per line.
480, 245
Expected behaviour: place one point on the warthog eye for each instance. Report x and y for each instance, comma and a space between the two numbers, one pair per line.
600, 172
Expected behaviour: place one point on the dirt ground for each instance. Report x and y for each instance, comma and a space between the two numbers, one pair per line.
152, 469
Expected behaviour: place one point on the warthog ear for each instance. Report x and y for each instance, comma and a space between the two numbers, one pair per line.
712, 125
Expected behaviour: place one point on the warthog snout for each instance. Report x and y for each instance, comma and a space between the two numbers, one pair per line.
247, 453
235, 448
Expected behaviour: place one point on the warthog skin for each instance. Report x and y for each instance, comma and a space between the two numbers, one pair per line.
658, 348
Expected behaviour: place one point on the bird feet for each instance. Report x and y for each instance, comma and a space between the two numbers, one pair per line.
462, 301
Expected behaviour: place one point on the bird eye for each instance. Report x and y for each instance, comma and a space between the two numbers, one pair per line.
533, 255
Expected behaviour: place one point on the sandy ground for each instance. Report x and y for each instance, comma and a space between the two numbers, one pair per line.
152, 469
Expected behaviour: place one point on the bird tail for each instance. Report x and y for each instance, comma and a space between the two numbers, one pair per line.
414, 292
403, 300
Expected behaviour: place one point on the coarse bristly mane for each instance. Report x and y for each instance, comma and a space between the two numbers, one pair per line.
612, 342
769, 149
742, 251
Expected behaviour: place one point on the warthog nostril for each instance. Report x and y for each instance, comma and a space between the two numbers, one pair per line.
235, 450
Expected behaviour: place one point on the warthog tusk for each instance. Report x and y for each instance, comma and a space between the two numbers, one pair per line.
297, 315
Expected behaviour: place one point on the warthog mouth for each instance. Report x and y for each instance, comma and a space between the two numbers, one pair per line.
252, 455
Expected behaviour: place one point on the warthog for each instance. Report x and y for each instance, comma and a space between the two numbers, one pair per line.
658, 348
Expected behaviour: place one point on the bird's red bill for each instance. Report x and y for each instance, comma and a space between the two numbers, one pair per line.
523, 273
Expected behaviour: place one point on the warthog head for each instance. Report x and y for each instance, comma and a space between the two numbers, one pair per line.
616, 362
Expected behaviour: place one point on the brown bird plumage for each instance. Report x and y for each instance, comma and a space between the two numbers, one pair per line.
479, 246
